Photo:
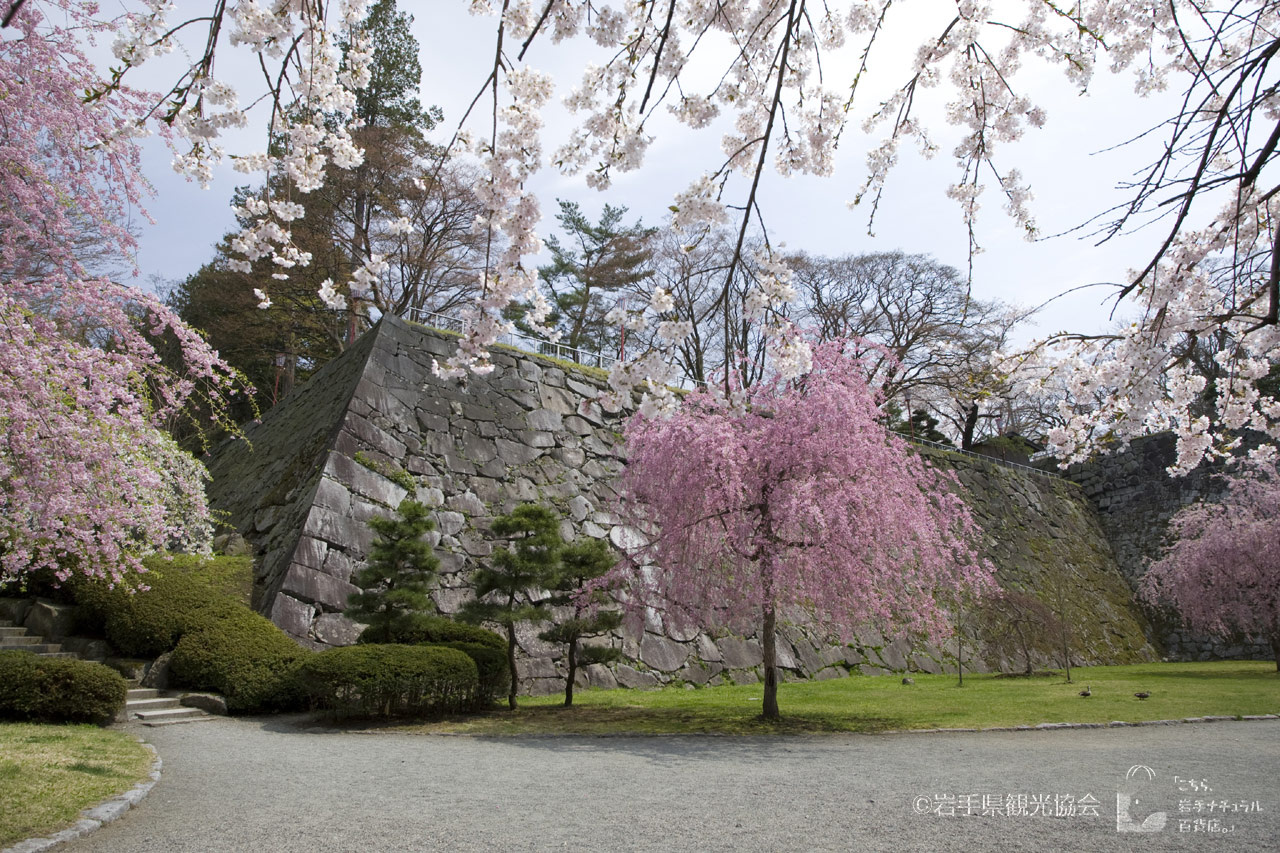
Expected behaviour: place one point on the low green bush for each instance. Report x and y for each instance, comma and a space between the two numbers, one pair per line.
492, 668
245, 658
58, 690
390, 680
186, 592
426, 630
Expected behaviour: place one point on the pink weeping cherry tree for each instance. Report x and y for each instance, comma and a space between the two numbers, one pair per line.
790, 500
89, 480
1222, 572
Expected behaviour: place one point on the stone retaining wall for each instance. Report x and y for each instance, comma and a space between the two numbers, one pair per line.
1135, 498
336, 453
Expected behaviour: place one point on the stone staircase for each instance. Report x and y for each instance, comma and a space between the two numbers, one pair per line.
15, 638
152, 707
145, 705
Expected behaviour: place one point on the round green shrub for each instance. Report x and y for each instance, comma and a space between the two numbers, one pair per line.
426, 629
390, 680
245, 658
493, 669
58, 690
148, 623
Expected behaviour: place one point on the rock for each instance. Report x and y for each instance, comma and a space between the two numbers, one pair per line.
210, 703
599, 675
894, 655
14, 609
908, 680
334, 629
293, 616
50, 620
739, 654
467, 503
662, 654
630, 677
158, 673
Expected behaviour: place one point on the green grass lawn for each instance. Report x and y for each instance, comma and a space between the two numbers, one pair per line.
880, 703
48, 773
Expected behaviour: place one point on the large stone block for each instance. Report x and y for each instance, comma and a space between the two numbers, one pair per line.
662, 654
629, 676
311, 552
364, 481
334, 629
50, 620
316, 587
292, 616
738, 653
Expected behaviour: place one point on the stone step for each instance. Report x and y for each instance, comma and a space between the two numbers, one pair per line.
12, 630
15, 640
165, 715
63, 655
155, 703
178, 722
38, 647
136, 693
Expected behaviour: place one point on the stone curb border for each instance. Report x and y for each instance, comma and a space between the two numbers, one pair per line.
1114, 724
1039, 727
94, 817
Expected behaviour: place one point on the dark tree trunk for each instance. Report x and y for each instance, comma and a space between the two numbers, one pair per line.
960, 658
1275, 649
770, 709
970, 424
573, 671
511, 663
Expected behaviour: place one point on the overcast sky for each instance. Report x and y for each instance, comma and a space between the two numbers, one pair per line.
1070, 179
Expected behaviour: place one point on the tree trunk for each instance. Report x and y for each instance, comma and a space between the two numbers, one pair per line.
1066, 651
970, 423
960, 658
1275, 649
770, 709
573, 671
511, 662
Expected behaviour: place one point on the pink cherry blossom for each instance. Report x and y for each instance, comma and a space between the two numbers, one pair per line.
795, 505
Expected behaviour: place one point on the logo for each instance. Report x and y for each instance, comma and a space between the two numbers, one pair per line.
1130, 802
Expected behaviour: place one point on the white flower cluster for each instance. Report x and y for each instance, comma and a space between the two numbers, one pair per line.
367, 276
511, 214
304, 44
331, 297
773, 290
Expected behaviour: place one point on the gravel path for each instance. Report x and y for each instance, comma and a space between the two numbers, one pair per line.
250, 785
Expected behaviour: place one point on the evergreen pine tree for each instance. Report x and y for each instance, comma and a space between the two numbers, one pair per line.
581, 562
394, 582
530, 563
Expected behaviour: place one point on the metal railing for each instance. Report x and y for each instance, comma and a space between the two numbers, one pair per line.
518, 340
996, 459
542, 346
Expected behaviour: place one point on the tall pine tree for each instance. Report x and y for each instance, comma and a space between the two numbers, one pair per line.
396, 580
502, 588
582, 561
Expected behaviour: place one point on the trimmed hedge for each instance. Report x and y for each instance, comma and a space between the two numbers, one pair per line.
390, 680
193, 608
58, 690
245, 658
185, 593
428, 630
492, 667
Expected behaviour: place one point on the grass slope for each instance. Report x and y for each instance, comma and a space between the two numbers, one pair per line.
881, 703
49, 773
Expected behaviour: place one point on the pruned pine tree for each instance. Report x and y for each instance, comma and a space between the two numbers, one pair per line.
580, 562
395, 582
502, 588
